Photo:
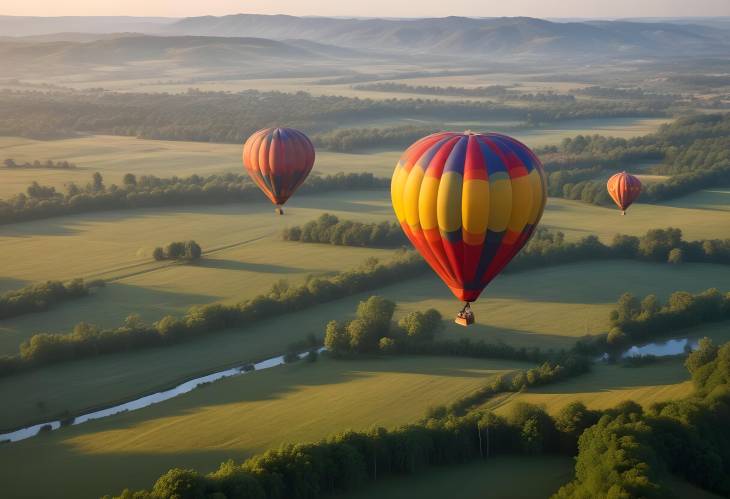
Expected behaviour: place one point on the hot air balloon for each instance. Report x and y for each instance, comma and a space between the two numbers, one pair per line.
624, 189
468, 202
278, 160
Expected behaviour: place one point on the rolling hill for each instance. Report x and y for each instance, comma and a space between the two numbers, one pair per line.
498, 37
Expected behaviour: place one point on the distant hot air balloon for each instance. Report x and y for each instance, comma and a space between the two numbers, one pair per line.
468, 202
278, 160
624, 189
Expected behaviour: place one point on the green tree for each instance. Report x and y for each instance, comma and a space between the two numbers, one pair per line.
676, 256
180, 484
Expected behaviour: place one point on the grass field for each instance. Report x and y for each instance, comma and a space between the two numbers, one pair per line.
497, 478
606, 386
521, 309
114, 156
235, 418
244, 252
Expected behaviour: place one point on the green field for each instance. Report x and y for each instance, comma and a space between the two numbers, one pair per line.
114, 156
244, 254
236, 417
549, 308
500, 477
521, 309
606, 386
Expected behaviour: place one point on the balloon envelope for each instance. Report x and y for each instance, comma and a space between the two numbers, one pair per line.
623, 189
278, 160
468, 202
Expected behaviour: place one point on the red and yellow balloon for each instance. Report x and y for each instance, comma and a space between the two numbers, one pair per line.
468, 202
623, 189
278, 160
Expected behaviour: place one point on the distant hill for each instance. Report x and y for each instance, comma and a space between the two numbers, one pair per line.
28, 26
496, 37
182, 51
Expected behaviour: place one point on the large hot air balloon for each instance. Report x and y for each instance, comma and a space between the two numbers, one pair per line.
468, 202
278, 160
624, 189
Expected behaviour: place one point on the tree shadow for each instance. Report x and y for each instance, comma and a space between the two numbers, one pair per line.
218, 263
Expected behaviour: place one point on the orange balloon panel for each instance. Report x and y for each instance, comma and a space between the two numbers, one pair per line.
278, 160
469, 203
623, 189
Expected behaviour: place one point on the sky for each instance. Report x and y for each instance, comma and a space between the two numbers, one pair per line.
374, 8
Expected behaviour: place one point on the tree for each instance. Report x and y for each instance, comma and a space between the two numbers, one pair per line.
129, 180
97, 182
335, 338
158, 253
180, 484
192, 250
387, 345
363, 336
676, 256
706, 352
377, 311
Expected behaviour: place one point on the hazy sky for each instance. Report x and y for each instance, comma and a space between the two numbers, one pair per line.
408, 8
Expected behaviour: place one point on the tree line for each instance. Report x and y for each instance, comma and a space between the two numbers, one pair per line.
329, 229
634, 320
40, 297
50, 164
546, 247
232, 117
40, 202
355, 139
189, 251
695, 151
88, 340
494, 91
621, 452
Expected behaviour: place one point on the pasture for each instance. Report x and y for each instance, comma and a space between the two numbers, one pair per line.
606, 386
547, 308
237, 417
114, 156
243, 256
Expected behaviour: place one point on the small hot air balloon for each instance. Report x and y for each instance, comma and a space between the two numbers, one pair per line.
624, 189
278, 160
468, 202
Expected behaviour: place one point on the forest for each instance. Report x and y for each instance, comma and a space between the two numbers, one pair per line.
232, 117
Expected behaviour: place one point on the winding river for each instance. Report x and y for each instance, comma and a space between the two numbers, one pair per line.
146, 401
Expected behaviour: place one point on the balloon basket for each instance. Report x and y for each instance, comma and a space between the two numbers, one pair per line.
279, 210
464, 321
465, 317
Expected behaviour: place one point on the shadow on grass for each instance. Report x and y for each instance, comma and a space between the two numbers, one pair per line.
218, 263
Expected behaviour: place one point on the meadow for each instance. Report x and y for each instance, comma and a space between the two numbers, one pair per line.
243, 256
114, 156
522, 309
606, 386
239, 416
